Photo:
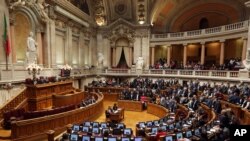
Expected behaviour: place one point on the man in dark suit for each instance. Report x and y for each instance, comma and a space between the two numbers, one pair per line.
195, 104
234, 98
217, 106
115, 107
137, 96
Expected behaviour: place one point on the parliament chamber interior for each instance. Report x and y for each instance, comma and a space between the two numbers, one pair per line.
124, 70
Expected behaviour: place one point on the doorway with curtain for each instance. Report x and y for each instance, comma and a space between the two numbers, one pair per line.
122, 54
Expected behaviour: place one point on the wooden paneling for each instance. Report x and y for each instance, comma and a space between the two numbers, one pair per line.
211, 114
39, 96
35, 128
110, 93
184, 110
245, 117
242, 114
130, 105
111, 96
157, 110
67, 99
104, 90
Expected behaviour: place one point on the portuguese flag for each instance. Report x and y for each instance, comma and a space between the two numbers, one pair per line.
6, 41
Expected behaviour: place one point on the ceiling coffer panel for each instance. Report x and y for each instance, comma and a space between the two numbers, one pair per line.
120, 9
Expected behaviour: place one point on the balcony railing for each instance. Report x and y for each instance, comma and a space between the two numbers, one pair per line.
191, 74
203, 32
201, 74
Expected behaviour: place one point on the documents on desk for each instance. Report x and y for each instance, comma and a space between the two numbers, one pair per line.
115, 111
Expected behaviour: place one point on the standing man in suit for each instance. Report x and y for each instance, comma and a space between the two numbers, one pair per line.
217, 106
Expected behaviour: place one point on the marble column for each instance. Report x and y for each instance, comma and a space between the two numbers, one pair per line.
130, 56
169, 55
184, 55
39, 47
152, 56
113, 56
202, 53
68, 48
86, 55
52, 44
222, 52
80, 49
248, 36
244, 49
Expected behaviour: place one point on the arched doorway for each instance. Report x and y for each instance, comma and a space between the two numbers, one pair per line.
122, 53
203, 23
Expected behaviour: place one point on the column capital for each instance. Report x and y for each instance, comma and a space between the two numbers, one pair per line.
12, 21
202, 42
244, 38
185, 44
169, 45
247, 4
222, 40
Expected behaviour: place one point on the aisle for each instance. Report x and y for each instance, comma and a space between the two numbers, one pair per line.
131, 118
4, 134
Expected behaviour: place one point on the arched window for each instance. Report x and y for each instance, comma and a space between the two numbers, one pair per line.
203, 23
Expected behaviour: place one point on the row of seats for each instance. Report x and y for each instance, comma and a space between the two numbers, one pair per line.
77, 137
36, 114
15, 114
103, 131
101, 125
20, 114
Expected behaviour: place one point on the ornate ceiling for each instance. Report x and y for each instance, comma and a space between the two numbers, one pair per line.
166, 15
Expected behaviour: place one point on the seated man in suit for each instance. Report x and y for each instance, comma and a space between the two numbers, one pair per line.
217, 106
108, 112
92, 100
115, 107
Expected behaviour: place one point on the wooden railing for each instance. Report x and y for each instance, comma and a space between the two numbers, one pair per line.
104, 90
18, 101
210, 112
36, 128
67, 99
157, 110
130, 105
183, 109
242, 114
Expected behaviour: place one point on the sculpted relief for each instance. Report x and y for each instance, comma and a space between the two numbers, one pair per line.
31, 53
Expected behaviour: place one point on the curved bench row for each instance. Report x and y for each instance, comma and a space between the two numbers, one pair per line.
37, 128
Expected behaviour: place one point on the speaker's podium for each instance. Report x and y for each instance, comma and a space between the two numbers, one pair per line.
116, 116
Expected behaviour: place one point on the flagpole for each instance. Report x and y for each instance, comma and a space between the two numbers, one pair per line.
6, 42
6, 62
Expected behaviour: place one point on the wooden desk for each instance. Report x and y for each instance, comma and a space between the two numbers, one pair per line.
130, 105
117, 117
